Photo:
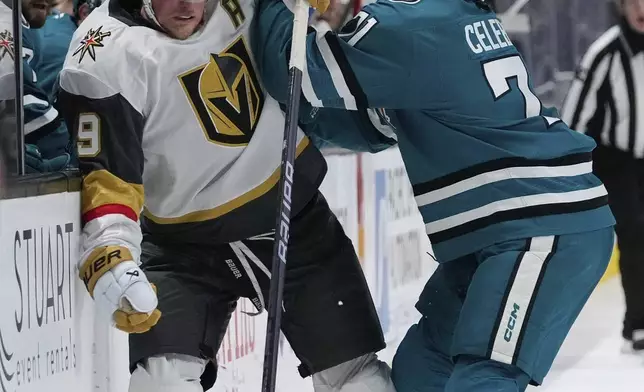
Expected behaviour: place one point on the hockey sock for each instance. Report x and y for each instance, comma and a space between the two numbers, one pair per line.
472, 374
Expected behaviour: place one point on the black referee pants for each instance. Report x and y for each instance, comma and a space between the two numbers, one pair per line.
623, 177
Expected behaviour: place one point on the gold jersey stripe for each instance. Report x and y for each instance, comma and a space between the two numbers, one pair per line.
204, 215
101, 187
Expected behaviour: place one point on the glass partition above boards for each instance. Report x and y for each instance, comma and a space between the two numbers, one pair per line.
35, 37
8, 86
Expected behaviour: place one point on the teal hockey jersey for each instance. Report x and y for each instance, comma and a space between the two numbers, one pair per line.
56, 36
38, 110
42, 125
487, 161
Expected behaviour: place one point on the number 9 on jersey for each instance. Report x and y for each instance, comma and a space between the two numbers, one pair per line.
89, 135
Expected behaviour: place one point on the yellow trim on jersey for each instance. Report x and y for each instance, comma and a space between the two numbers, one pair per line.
101, 187
255, 193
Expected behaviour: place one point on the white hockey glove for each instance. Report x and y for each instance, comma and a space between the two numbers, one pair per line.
120, 289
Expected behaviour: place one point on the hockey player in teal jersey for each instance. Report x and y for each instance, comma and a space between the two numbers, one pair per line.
56, 36
50, 151
38, 110
46, 135
518, 222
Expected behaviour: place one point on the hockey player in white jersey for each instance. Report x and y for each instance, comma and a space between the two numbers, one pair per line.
7, 87
7, 78
179, 148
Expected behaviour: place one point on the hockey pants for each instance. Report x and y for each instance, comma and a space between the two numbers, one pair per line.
494, 321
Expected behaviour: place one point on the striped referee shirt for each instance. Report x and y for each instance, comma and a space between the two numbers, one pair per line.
606, 100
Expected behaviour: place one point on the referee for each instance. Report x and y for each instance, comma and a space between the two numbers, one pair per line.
606, 102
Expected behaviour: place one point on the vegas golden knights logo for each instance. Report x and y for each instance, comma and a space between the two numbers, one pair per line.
225, 95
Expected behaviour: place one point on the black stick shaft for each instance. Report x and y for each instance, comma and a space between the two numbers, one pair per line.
282, 227
17, 58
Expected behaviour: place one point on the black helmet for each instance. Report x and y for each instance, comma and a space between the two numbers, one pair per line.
91, 3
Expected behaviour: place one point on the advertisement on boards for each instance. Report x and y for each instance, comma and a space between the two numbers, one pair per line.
340, 188
399, 230
399, 260
45, 343
241, 354
382, 268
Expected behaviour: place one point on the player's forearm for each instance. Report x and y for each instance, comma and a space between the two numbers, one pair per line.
366, 65
108, 132
111, 230
273, 46
323, 82
39, 114
352, 130
110, 212
108, 135
106, 193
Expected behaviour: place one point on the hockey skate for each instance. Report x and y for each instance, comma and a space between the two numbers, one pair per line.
635, 345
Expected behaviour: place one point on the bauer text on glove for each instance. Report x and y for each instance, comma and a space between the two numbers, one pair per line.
120, 289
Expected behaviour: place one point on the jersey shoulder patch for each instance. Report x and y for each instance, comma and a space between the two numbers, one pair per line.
103, 59
394, 18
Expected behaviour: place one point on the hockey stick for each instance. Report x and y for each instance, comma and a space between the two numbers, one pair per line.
297, 63
18, 102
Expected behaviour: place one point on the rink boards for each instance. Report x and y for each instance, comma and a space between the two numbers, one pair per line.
50, 339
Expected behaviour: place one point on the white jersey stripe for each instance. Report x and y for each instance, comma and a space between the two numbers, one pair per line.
40, 121
514, 203
510, 173
621, 103
254, 258
362, 31
309, 91
235, 246
333, 67
522, 289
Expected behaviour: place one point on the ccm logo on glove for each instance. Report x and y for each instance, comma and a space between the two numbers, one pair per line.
100, 261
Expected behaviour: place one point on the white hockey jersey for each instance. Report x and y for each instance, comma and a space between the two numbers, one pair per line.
185, 123
7, 78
